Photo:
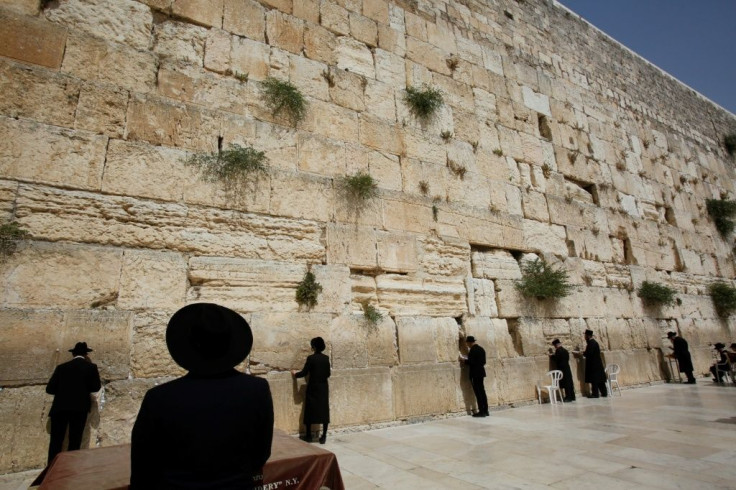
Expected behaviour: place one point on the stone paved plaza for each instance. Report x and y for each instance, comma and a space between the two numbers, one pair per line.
661, 436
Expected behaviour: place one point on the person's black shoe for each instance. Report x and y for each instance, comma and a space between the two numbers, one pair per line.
486, 414
478, 414
323, 438
568, 400
593, 396
691, 382
306, 438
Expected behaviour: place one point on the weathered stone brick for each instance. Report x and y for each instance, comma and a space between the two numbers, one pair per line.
102, 109
250, 57
363, 29
319, 44
334, 18
31, 347
285, 31
307, 10
180, 42
245, 18
205, 12
31, 40
25, 7
376, 10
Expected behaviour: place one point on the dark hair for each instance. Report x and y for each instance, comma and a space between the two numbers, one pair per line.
318, 344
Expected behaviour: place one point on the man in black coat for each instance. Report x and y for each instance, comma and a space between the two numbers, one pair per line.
561, 359
213, 427
682, 354
71, 384
317, 402
475, 361
595, 373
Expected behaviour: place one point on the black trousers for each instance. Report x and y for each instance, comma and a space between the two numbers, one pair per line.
600, 386
568, 386
480, 394
60, 421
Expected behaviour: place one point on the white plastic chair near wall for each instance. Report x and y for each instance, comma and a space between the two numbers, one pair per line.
612, 371
553, 389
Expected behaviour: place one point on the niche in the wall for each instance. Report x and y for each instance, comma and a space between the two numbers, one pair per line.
513, 326
544, 130
581, 190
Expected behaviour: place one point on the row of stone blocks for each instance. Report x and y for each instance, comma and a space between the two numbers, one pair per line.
358, 397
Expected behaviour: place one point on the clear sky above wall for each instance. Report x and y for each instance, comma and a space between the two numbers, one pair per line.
693, 40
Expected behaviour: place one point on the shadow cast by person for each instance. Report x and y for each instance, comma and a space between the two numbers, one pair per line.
299, 393
466, 388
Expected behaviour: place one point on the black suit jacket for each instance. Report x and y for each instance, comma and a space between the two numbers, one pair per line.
594, 370
202, 432
71, 385
475, 361
682, 353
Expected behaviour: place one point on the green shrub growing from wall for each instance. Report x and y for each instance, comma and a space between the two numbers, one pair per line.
724, 297
423, 103
308, 291
730, 143
654, 293
371, 315
236, 168
10, 234
722, 211
540, 280
283, 96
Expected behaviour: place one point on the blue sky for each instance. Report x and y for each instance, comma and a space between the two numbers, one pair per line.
692, 40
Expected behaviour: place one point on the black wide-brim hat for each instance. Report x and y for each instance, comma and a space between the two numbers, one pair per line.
80, 349
206, 338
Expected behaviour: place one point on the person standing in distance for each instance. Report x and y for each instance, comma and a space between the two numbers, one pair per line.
682, 354
317, 402
476, 360
71, 384
595, 373
562, 360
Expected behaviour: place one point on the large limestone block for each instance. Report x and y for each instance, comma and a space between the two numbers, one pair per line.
361, 396
142, 170
384, 167
424, 389
62, 276
281, 340
425, 54
533, 336
335, 18
155, 280
48, 154
205, 12
493, 335
297, 195
37, 94
637, 366
359, 344
31, 40
120, 21
352, 246
105, 331
307, 10
494, 264
321, 155
308, 75
319, 44
31, 345
149, 357
95, 60
427, 340
403, 295
380, 100
288, 396
396, 252
133, 222
489, 230
593, 244
26, 7
102, 109
443, 255
518, 377
363, 29
620, 335
331, 121
354, 56
536, 101
251, 57
23, 428
122, 402
284, 31
245, 18
380, 134
582, 302
161, 122
180, 42
544, 237
346, 89
481, 297
390, 68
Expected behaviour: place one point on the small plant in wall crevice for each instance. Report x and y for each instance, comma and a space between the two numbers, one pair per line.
359, 188
654, 293
308, 291
724, 298
282, 96
371, 315
729, 142
722, 211
236, 168
540, 280
10, 235
423, 102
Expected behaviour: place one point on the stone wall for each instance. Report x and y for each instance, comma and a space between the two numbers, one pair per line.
573, 149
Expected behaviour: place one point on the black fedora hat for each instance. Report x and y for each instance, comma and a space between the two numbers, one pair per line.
589, 332
206, 338
719, 345
671, 334
469, 338
556, 342
80, 349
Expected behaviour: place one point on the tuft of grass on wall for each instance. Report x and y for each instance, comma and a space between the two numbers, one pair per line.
654, 293
724, 298
722, 211
540, 280
371, 315
729, 142
308, 291
235, 168
359, 188
423, 102
281, 96
10, 235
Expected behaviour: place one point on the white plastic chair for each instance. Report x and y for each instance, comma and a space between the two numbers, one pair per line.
554, 389
612, 371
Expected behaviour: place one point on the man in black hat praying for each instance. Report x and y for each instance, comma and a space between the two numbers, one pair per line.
595, 373
476, 360
561, 359
213, 427
682, 354
71, 384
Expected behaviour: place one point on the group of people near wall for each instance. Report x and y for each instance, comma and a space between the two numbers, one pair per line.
723, 364
213, 427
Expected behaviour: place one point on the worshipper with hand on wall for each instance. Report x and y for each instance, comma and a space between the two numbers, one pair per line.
682, 354
476, 360
72, 385
722, 363
317, 401
213, 427
595, 373
561, 359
